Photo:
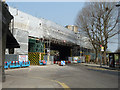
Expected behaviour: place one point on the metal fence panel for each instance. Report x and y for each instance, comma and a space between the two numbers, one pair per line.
11, 57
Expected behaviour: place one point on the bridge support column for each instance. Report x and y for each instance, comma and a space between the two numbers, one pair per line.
71, 52
47, 48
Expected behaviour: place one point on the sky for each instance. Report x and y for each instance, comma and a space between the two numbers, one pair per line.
62, 13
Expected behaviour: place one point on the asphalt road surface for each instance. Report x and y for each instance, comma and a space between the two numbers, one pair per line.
54, 76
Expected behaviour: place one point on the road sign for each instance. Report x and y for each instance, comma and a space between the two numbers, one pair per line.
102, 48
80, 51
48, 50
63, 63
23, 57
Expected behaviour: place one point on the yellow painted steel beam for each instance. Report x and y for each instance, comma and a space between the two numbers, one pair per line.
71, 52
44, 48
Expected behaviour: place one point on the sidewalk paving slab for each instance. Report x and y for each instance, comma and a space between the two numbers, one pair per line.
98, 66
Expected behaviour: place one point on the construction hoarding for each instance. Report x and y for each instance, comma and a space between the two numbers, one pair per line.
35, 57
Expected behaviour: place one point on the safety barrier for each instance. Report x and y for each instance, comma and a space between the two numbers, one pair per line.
55, 62
69, 61
58, 62
6, 65
76, 61
61, 63
14, 64
79, 61
65, 62
43, 62
40, 62
25, 63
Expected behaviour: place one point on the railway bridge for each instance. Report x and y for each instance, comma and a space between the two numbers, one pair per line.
44, 36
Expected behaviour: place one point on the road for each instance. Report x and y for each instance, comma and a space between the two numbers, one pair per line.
54, 76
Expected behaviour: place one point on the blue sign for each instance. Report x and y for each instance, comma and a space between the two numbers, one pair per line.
62, 62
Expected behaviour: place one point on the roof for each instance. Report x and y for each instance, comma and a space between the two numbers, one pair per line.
6, 19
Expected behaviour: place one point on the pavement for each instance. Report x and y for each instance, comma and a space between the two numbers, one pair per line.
103, 67
64, 77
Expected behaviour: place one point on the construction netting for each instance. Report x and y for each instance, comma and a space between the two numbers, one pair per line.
43, 28
36, 46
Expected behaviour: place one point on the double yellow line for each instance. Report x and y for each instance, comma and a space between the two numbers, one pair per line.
63, 85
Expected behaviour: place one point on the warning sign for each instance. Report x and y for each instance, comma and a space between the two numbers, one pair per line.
23, 57
102, 48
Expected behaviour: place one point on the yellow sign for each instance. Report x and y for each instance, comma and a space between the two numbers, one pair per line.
102, 48
80, 51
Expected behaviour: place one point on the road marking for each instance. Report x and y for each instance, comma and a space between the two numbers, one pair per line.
63, 85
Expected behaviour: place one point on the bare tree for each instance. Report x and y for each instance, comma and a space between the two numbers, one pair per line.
98, 21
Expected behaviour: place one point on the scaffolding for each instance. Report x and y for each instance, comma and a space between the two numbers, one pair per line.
36, 45
48, 30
